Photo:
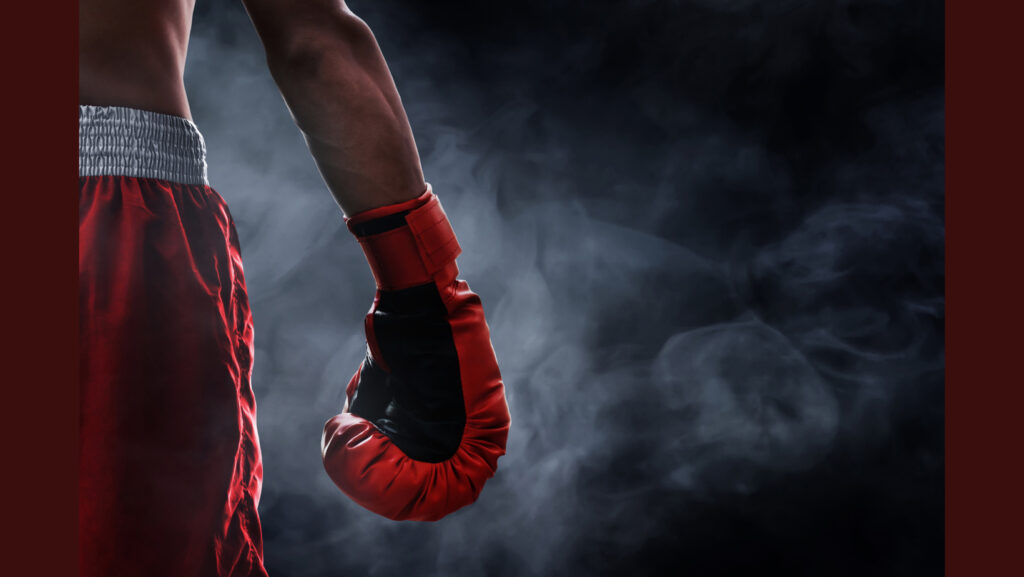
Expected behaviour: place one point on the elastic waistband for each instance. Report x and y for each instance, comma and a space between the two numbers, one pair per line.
120, 141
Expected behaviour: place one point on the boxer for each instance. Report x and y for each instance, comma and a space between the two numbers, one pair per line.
170, 461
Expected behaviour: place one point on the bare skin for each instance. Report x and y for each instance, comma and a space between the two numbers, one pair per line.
133, 54
325, 60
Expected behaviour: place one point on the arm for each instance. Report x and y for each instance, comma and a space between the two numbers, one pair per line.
326, 62
425, 419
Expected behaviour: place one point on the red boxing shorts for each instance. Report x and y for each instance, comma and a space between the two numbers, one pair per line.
170, 467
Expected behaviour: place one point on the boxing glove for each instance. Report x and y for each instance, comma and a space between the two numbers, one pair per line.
425, 419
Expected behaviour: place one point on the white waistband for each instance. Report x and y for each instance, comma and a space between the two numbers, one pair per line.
127, 142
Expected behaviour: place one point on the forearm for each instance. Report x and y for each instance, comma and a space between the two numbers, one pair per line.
329, 68
426, 419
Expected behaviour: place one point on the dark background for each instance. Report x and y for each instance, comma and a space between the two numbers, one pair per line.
709, 240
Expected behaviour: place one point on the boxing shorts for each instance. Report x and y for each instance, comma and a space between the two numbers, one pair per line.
170, 466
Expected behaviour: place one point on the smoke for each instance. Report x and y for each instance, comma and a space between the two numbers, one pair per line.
708, 238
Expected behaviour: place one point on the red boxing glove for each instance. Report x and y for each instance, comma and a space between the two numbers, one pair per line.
426, 417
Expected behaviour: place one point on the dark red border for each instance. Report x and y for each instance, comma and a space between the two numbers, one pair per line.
39, 259
984, 287
984, 292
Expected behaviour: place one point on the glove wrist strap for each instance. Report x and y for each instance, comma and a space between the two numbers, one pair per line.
408, 244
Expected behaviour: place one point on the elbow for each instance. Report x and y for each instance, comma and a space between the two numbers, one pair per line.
308, 47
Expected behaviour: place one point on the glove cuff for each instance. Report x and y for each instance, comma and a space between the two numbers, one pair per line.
408, 244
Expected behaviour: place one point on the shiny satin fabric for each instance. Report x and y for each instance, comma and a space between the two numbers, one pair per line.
170, 465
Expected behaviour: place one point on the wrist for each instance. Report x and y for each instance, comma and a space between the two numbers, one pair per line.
407, 244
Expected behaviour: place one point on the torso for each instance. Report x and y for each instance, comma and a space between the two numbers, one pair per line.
132, 54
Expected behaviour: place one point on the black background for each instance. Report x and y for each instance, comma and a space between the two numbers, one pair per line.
709, 239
